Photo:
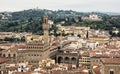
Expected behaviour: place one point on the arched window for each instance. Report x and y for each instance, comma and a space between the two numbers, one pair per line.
60, 60
34, 54
73, 60
45, 21
67, 60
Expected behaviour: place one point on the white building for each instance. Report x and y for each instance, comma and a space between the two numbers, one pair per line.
92, 17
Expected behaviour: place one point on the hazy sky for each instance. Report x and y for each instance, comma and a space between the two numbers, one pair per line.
77, 5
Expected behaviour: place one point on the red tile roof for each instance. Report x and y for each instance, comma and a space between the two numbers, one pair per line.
111, 60
23, 72
6, 44
97, 70
2, 60
11, 68
53, 47
85, 54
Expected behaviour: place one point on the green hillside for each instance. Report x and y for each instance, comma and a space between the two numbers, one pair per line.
31, 20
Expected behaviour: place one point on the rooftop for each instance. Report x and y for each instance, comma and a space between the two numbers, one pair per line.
111, 60
2, 60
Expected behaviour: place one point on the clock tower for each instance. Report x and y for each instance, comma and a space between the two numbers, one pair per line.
45, 29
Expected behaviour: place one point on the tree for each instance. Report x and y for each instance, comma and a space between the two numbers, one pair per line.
23, 39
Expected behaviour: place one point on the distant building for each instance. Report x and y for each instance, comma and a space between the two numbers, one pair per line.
50, 22
115, 41
10, 51
85, 60
115, 31
5, 16
67, 57
46, 63
73, 30
37, 50
100, 40
2, 62
92, 17
110, 66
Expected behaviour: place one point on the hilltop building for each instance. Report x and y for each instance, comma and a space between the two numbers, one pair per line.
92, 17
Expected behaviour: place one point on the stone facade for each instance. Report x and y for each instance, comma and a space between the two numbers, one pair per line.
36, 51
11, 54
110, 66
68, 58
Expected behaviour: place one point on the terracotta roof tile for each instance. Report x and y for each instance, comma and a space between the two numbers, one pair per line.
53, 47
2, 60
97, 70
111, 60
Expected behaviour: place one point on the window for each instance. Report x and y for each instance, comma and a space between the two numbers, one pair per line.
14, 55
8, 55
21, 70
35, 61
111, 71
3, 55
